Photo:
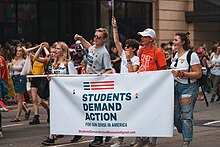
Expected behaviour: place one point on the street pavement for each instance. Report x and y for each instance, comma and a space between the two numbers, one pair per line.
21, 134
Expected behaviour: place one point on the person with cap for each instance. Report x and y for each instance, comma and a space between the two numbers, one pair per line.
151, 58
78, 57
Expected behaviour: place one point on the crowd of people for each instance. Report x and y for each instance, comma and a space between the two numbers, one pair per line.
84, 57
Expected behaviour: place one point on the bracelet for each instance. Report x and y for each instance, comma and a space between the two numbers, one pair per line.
115, 26
129, 62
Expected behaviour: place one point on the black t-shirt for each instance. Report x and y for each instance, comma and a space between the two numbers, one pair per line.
116, 65
77, 59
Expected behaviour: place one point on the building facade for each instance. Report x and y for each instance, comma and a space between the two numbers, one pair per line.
53, 20
199, 17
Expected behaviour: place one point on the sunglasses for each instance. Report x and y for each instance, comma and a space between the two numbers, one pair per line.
127, 46
97, 37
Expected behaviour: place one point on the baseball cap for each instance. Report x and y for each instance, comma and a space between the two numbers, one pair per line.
78, 42
148, 32
79, 48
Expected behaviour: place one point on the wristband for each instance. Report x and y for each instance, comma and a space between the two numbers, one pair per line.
115, 26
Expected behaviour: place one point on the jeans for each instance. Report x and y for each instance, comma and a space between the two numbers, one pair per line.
185, 96
215, 82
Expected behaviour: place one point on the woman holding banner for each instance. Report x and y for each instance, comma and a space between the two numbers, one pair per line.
130, 62
186, 88
60, 64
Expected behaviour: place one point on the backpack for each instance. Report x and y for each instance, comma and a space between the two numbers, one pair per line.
201, 81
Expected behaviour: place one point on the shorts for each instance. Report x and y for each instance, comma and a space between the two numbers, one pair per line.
35, 82
42, 84
19, 82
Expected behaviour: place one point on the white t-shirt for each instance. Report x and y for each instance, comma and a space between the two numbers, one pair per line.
215, 70
61, 69
124, 65
183, 64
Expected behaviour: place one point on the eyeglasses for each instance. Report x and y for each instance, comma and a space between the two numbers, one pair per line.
97, 37
175, 65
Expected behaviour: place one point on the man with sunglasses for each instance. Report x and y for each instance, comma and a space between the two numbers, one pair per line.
98, 62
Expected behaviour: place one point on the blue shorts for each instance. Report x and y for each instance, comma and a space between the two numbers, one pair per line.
19, 82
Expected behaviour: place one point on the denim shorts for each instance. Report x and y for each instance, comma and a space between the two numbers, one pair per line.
19, 82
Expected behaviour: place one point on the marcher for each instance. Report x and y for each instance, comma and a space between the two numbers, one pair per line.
58, 63
186, 87
19, 82
98, 62
151, 59
38, 86
78, 57
115, 58
4, 76
130, 62
215, 73
167, 52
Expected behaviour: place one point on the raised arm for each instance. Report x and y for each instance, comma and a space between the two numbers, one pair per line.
116, 37
31, 49
37, 54
84, 42
46, 51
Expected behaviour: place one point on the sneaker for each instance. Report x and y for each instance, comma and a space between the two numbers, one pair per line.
212, 100
48, 141
107, 139
1, 134
76, 138
35, 120
142, 142
117, 144
59, 136
96, 142
134, 142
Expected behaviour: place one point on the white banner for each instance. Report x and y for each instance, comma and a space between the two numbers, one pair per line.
135, 104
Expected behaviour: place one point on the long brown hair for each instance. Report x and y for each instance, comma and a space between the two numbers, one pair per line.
184, 37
